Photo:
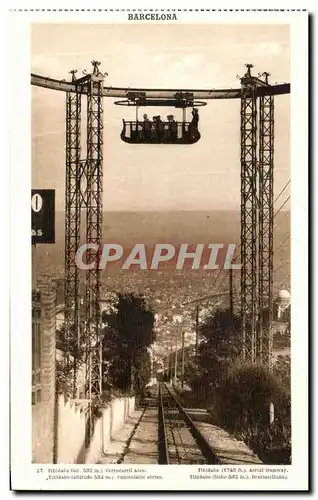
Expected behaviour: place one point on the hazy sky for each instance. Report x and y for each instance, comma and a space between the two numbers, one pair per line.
203, 176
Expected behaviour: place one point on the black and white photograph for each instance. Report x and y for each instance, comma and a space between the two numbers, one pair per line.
165, 200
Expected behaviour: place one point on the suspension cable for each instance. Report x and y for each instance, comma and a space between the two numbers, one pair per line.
237, 248
275, 214
282, 244
281, 192
279, 209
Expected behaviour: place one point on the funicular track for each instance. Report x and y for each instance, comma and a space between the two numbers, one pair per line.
180, 440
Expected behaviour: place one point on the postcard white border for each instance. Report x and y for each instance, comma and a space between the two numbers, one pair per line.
23, 472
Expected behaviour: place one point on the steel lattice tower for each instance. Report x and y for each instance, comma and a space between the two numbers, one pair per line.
257, 155
84, 203
249, 203
266, 217
72, 220
94, 171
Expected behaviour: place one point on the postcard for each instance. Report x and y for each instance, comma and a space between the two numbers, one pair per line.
159, 324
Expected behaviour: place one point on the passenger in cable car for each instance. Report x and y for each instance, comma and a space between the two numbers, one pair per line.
154, 127
161, 129
172, 128
157, 127
195, 117
193, 125
146, 127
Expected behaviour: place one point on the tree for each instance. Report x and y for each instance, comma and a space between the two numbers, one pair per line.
127, 333
282, 370
72, 358
220, 347
222, 332
142, 371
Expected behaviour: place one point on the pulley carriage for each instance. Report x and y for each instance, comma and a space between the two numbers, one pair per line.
158, 130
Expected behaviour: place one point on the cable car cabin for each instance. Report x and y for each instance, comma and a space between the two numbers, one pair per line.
160, 132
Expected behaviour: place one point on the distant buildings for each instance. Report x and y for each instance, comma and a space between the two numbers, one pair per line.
282, 306
281, 319
168, 293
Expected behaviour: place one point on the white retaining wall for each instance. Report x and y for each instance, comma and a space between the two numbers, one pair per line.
72, 424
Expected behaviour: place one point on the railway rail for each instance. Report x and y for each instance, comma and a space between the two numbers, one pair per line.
180, 440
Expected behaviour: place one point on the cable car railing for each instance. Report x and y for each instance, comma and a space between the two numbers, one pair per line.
163, 132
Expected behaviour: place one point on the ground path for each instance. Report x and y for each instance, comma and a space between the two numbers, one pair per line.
137, 442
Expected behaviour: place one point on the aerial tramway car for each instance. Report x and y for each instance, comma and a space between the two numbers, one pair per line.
158, 131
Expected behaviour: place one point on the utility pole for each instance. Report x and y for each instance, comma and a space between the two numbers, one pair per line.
231, 298
152, 368
196, 329
170, 362
182, 360
231, 292
176, 361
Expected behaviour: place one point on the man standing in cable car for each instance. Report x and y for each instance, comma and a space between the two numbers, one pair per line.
160, 129
195, 117
157, 128
172, 128
146, 127
154, 128
193, 127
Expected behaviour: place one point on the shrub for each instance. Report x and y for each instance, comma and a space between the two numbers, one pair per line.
64, 379
244, 399
245, 395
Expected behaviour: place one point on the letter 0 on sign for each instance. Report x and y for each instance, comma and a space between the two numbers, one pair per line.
36, 202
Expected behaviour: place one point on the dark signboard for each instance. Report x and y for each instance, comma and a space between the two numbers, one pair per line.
43, 215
